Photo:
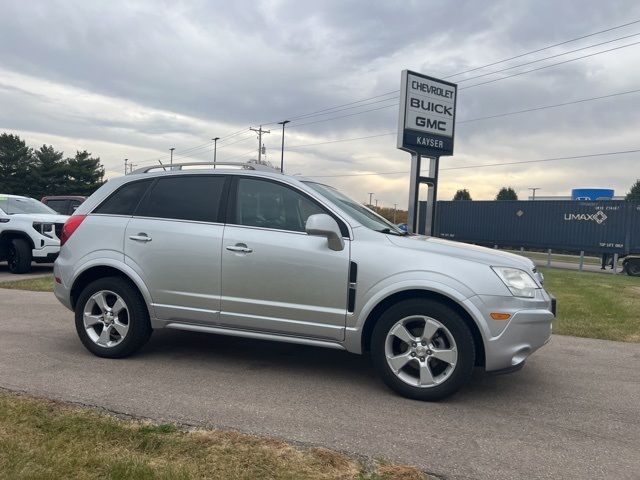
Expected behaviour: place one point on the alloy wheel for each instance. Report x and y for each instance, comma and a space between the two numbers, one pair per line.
106, 318
421, 351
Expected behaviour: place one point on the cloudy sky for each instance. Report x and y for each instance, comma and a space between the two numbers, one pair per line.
131, 79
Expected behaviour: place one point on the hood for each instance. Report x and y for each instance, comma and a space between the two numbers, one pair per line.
41, 217
464, 251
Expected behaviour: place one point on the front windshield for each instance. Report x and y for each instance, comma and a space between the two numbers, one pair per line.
13, 205
359, 212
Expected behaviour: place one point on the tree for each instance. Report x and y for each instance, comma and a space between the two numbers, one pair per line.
16, 165
462, 195
634, 193
84, 174
49, 173
507, 193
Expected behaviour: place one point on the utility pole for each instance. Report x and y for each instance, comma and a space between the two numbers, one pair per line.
171, 150
370, 197
376, 204
395, 209
215, 150
125, 165
259, 131
283, 123
131, 165
533, 189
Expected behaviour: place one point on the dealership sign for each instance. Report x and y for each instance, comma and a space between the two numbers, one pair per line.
427, 115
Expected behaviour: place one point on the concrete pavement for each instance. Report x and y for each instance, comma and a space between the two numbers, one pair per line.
573, 412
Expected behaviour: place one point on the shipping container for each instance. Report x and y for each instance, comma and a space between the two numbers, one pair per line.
608, 226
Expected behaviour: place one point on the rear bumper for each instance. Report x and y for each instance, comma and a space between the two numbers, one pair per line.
60, 290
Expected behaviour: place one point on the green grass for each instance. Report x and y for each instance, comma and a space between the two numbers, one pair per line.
36, 284
41, 439
557, 257
595, 305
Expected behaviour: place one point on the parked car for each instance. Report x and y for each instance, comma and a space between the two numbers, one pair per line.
29, 231
254, 253
63, 204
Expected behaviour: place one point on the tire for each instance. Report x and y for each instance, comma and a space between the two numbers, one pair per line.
452, 338
19, 256
134, 316
632, 267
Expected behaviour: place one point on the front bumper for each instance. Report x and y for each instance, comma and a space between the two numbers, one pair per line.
47, 252
528, 330
508, 344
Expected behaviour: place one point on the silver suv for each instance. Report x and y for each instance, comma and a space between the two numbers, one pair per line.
254, 253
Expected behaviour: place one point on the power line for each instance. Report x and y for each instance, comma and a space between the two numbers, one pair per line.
548, 58
470, 70
550, 65
356, 104
543, 48
544, 107
621, 152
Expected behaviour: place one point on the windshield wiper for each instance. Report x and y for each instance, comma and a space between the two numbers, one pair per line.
391, 232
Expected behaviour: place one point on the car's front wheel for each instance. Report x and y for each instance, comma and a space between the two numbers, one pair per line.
423, 349
111, 318
19, 256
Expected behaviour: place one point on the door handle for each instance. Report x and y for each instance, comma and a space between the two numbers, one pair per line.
141, 237
239, 247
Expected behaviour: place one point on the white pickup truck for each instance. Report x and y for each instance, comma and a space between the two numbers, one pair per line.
29, 232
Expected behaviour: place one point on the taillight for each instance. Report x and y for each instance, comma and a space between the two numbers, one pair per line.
70, 226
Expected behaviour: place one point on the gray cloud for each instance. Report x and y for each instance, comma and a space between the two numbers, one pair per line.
155, 74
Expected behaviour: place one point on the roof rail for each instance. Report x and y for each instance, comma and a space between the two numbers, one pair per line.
212, 165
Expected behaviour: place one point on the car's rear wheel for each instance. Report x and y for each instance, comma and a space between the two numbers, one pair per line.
423, 349
19, 256
111, 318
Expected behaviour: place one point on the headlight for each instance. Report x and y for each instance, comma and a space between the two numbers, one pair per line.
45, 229
517, 281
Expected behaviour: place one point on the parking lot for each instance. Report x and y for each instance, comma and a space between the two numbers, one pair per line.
36, 271
572, 412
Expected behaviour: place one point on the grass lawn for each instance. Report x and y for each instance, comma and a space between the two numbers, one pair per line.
595, 305
41, 439
36, 284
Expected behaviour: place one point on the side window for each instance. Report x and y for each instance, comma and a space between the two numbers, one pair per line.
266, 204
124, 200
74, 204
59, 206
188, 197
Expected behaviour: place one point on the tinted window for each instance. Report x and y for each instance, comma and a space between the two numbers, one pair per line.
59, 206
188, 197
74, 204
266, 204
124, 200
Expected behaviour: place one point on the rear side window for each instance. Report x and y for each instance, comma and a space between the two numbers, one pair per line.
124, 200
59, 206
189, 197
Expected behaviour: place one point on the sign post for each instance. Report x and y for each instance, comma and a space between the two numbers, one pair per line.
426, 127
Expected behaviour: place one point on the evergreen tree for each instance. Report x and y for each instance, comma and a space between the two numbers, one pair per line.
507, 193
462, 195
634, 193
50, 172
84, 174
16, 165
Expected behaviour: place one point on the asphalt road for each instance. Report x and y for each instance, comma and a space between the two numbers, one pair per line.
37, 270
573, 412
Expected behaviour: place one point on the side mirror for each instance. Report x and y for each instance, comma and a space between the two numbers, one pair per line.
323, 225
